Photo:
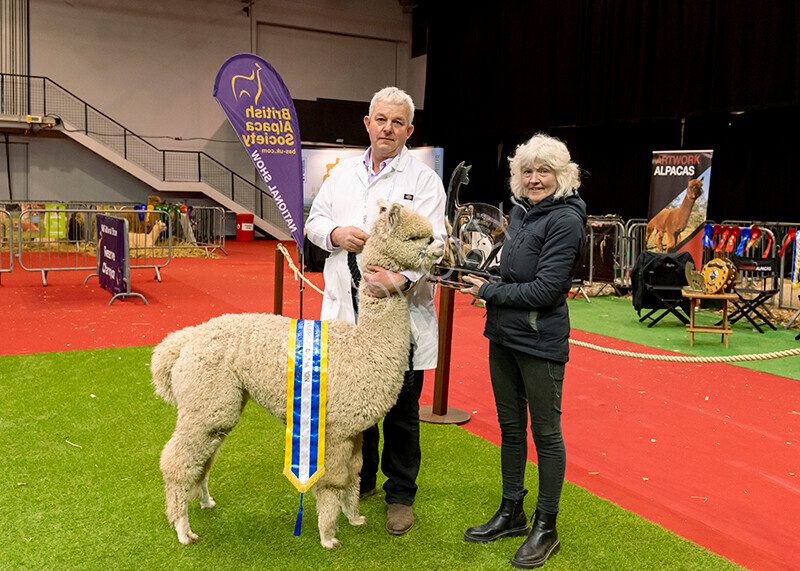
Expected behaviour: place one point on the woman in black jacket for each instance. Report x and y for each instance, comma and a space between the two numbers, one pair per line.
527, 324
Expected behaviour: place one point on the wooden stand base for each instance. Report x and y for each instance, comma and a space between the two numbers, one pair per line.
722, 329
440, 413
452, 416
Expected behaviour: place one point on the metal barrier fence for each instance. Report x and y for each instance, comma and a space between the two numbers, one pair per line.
605, 249
6, 243
773, 235
634, 237
61, 239
204, 227
192, 226
779, 233
42, 96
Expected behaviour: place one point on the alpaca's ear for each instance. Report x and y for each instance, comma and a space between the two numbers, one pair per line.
394, 215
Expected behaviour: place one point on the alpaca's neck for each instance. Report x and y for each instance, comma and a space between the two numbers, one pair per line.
382, 316
687, 204
383, 332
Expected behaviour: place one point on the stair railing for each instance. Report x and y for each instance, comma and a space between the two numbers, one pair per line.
22, 95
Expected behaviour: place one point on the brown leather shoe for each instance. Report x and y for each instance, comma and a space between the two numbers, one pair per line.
399, 518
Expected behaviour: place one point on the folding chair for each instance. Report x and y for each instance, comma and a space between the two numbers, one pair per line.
761, 272
577, 285
793, 319
657, 280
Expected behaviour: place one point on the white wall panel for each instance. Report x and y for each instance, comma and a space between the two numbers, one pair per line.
328, 65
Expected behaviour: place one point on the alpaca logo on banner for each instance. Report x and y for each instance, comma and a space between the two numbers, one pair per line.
679, 189
305, 402
261, 112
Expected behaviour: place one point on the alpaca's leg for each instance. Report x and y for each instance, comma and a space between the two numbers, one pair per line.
206, 501
657, 240
330, 489
328, 501
185, 463
672, 239
350, 493
178, 484
178, 511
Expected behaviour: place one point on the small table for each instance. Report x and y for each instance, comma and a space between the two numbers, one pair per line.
721, 328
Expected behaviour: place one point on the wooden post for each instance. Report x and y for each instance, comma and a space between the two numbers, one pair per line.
277, 304
440, 413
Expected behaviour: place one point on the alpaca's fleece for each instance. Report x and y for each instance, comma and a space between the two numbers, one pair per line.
142, 240
670, 222
210, 371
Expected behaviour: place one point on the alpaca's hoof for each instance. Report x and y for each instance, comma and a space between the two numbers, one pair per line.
332, 543
185, 534
189, 538
360, 520
208, 503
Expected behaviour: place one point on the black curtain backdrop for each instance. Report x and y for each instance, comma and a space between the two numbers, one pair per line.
616, 80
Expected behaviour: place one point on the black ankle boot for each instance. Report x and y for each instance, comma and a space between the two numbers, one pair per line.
509, 521
540, 544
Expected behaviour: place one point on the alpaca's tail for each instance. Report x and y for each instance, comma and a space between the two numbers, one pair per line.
165, 355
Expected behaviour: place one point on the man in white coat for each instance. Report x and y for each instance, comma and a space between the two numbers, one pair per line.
342, 214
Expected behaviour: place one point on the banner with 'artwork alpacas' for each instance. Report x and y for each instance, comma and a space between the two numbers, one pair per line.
679, 189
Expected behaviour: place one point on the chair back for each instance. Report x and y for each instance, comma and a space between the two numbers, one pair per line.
658, 270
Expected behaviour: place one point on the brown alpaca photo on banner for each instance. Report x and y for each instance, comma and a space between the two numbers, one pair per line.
669, 223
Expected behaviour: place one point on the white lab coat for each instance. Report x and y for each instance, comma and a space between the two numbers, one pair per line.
346, 199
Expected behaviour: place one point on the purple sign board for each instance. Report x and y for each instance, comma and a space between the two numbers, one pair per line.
112, 237
261, 111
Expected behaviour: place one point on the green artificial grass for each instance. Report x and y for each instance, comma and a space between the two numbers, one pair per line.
82, 432
615, 317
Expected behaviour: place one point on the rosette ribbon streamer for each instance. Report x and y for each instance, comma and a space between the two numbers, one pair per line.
708, 236
305, 406
755, 234
734, 233
745, 233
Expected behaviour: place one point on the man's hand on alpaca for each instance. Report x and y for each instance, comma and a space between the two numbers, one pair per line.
350, 238
382, 282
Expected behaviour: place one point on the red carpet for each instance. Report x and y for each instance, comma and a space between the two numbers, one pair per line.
68, 315
708, 451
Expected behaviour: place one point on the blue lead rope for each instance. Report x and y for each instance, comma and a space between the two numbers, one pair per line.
299, 523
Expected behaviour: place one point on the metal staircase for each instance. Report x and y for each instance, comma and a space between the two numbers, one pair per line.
31, 100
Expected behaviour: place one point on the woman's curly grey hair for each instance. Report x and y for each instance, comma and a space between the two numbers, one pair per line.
550, 152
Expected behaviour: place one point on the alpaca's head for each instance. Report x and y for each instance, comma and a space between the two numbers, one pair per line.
695, 189
401, 240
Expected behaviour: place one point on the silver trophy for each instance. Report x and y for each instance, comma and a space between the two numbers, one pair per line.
476, 234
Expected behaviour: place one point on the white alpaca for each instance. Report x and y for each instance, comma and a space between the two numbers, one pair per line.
141, 240
211, 370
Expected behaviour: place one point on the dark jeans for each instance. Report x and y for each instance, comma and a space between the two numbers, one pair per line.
401, 451
521, 382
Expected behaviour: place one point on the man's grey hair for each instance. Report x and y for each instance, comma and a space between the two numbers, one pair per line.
395, 96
